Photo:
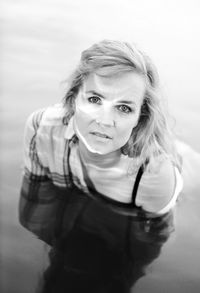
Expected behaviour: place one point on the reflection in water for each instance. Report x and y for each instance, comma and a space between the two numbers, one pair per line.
102, 249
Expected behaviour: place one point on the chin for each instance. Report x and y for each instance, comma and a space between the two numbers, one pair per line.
101, 152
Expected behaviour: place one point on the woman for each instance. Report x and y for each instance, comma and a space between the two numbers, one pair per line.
109, 141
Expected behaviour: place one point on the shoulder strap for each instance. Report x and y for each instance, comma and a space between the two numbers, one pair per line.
66, 164
137, 181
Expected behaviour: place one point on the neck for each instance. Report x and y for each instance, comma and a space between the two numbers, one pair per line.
104, 161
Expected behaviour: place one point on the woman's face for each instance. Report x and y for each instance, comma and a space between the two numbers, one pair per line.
107, 109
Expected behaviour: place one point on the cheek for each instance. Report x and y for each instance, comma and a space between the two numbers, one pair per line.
125, 130
82, 113
123, 135
81, 119
127, 126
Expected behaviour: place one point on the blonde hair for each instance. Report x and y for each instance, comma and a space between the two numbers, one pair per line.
152, 136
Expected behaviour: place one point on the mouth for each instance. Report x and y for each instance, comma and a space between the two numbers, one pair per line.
99, 134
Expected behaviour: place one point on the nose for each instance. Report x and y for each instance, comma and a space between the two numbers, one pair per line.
105, 117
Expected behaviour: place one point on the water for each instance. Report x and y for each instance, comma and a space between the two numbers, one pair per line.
41, 43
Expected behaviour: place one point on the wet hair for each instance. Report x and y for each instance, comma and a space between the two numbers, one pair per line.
152, 136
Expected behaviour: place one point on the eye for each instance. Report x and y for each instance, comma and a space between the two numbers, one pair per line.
124, 109
94, 100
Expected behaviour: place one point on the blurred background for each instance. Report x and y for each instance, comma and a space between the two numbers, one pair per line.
41, 42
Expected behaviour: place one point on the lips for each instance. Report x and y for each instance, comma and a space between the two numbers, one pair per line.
99, 134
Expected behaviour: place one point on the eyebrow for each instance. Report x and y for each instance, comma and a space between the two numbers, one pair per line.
100, 95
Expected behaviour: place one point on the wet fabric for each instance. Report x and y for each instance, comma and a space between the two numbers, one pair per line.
42, 203
98, 244
100, 249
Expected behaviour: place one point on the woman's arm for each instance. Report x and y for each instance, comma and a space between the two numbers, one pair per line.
37, 196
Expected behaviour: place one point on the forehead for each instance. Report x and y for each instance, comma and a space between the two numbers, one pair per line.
123, 85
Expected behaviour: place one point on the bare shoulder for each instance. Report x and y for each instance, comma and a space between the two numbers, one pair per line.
160, 166
157, 185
